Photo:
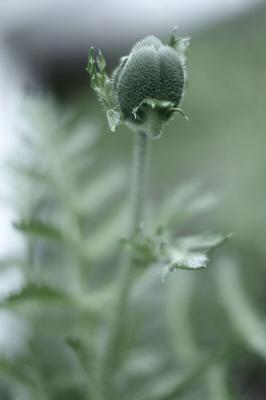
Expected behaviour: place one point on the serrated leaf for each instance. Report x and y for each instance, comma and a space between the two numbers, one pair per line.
39, 229
79, 143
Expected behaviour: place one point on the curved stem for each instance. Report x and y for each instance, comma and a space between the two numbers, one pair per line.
137, 208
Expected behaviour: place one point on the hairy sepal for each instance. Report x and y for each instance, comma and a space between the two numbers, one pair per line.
103, 86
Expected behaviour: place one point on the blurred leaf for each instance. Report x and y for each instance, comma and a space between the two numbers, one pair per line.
105, 237
180, 293
36, 293
101, 190
86, 354
39, 229
182, 204
172, 388
204, 242
30, 171
69, 390
11, 261
218, 387
16, 372
143, 364
246, 322
80, 349
78, 143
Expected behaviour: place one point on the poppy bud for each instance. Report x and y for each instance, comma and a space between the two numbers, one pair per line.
148, 84
151, 71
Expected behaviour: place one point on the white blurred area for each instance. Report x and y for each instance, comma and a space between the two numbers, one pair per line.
67, 26
11, 89
76, 20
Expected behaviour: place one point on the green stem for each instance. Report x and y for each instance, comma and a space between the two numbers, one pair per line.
139, 180
137, 209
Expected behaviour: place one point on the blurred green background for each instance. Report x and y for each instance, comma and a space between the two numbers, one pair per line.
222, 148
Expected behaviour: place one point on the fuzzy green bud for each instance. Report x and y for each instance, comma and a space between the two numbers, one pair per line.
148, 84
152, 71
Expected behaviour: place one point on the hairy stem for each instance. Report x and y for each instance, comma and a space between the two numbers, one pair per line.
139, 181
137, 209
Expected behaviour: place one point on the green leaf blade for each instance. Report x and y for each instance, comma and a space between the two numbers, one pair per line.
39, 229
36, 293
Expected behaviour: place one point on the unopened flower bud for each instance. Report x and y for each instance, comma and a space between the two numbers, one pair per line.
152, 71
147, 86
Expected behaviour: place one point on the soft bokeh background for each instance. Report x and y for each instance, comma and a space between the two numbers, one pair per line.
45, 45
43, 48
